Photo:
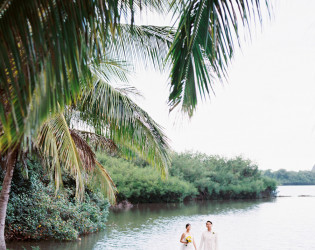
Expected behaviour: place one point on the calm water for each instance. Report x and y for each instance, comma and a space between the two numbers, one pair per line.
282, 223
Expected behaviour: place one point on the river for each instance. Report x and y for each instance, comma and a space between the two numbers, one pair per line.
282, 223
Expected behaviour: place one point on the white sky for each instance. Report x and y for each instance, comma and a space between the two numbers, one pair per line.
266, 111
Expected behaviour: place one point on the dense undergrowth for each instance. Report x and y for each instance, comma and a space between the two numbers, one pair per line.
191, 175
36, 212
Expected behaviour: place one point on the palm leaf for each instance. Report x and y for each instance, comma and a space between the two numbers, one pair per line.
48, 46
203, 46
57, 146
96, 177
111, 113
98, 142
141, 45
65, 150
100, 179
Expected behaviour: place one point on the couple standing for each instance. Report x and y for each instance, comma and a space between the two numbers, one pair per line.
208, 241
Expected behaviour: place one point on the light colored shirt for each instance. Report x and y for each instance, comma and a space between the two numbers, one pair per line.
209, 241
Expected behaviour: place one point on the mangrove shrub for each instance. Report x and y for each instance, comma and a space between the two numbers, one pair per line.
36, 212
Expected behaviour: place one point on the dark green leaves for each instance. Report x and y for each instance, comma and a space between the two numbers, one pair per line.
46, 47
204, 45
111, 113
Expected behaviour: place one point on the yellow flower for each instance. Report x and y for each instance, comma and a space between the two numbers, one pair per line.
39, 225
188, 239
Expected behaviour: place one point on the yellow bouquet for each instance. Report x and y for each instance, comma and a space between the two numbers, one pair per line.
188, 239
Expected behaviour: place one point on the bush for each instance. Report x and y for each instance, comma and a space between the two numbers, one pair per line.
191, 175
35, 212
220, 178
141, 184
284, 177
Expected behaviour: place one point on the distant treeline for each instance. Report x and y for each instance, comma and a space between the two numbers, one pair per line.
284, 177
191, 176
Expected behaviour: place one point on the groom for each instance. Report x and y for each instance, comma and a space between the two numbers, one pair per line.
209, 239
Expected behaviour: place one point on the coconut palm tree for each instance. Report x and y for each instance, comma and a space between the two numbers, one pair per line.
48, 48
108, 111
114, 123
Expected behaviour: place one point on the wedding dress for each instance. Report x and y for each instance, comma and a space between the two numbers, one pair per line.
189, 246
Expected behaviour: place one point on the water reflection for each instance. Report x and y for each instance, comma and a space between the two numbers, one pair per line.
141, 217
150, 212
281, 223
151, 223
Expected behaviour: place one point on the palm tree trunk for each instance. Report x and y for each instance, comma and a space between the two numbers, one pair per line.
4, 196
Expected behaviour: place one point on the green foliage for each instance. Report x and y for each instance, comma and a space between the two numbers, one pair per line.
203, 46
284, 177
220, 178
140, 184
35, 212
191, 175
46, 47
129, 126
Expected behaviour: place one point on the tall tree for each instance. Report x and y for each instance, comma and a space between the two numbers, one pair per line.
48, 47
114, 123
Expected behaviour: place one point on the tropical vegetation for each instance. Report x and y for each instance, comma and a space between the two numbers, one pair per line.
218, 177
137, 182
285, 177
52, 78
191, 176
36, 212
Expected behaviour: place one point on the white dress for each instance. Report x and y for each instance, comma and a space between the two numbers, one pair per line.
190, 246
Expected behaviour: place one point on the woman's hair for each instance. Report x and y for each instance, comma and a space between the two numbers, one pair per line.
209, 222
187, 225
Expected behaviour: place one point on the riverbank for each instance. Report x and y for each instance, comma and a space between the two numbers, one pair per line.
40, 214
261, 224
192, 176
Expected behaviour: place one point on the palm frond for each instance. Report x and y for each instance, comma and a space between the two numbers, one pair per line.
47, 40
142, 45
65, 150
57, 146
114, 71
203, 46
85, 152
100, 179
115, 116
48, 46
96, 177
98, 142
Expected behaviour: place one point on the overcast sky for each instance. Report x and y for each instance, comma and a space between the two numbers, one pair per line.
266, 111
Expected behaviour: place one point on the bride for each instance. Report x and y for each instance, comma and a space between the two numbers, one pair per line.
187, 240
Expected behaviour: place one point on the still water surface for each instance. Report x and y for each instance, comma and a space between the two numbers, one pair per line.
283, 223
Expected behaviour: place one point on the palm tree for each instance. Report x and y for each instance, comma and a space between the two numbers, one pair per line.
48, 48
115, 124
